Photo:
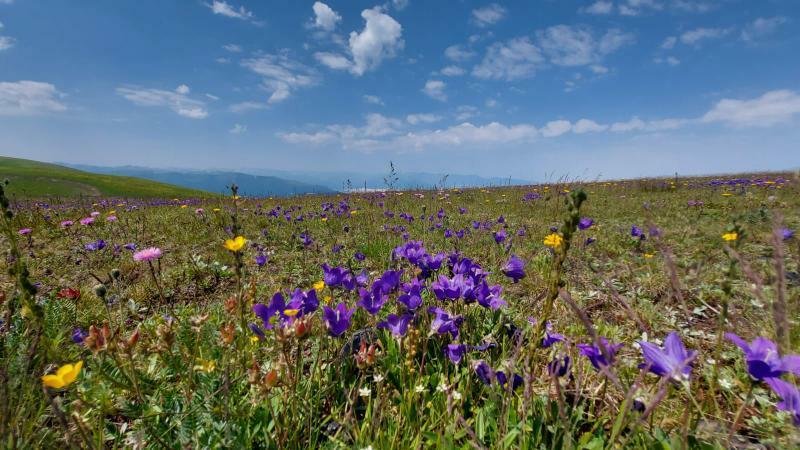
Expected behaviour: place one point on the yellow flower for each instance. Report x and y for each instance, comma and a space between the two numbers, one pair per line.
112, 212
553, 240
324, 219
254, 339
236, 244
184, 206
206, 366
290, 312
319, 285
732, 236
327, 299
64, 376
215, 209
726, 194
353, 212
649, 255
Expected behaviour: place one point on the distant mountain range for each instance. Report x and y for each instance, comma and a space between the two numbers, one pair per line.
265, 182
215, 181
405, 180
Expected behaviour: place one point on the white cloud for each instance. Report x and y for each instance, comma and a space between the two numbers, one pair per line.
636, 7
6, 42
576, 46
452, 71
373, 99
400, 4
587, 126
458, 53
511, 60
238, 129
380, 39
225, 9
325, 18
761, 27
465, 112
488, 15
599, 7
27, 98
212, 97
637, 124
670, 60
700, 34
598, 69
415, 119
177, 100
774, 107
233, 48
669, 42
281, 75
556, 128
333, 60
244, 107
435, 90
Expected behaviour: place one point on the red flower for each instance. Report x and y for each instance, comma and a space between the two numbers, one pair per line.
72, 294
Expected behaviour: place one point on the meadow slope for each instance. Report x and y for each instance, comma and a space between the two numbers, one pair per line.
427, 319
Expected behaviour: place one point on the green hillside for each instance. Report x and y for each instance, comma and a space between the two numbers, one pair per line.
36, 179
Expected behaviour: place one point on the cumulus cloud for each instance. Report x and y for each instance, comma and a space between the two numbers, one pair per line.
761, 27
225, 9
177, 100
577, 46
774, 107
244, 107
452, 71
325, 18
669, 60
233, 48
488, 15
281, 75
697, 35
373, 99
588, 126
238, 129
27, 98
415, 119
380, 39
6, 42
400, 4
511, 60
435, 90
385, 133
599, 7
458, 53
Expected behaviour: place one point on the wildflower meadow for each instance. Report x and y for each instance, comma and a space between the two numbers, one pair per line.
658, 313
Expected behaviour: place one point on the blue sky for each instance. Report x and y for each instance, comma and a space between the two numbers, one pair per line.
611, 88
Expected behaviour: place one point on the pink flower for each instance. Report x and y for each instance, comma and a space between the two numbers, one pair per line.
111, 218
87, 221
67, 223
94, 214
25, 231
147, 254
199, 211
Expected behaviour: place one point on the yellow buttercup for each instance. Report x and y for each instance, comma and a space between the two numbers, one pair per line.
64, 376
235, 244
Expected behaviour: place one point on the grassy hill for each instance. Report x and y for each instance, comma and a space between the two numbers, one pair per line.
37, 179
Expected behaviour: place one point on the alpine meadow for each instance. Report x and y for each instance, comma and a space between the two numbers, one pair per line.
400, 225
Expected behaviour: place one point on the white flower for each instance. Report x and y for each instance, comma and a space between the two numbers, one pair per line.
420, 388
456, 396
442, 387
364, 392
378, 378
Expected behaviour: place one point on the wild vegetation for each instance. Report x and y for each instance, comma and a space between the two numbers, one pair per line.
630, 314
